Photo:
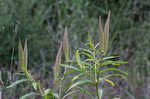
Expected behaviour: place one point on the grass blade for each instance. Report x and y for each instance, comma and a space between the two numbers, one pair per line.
76, 77
71, 67
114, 63
112, 75
70, 93
26, 96
17, 82
87, 54
114, 69
79, 83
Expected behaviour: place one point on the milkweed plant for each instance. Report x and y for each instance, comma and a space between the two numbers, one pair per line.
88, 67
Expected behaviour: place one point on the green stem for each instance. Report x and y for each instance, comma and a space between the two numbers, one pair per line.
96, 76
61, 82
98, 97
60, 90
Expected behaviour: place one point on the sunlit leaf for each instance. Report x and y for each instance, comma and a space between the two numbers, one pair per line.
47, 91
107, 63
96, 46
36, 85
29, 76
109, 81
110, 57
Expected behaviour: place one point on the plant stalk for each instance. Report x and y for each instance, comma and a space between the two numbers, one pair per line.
97, 93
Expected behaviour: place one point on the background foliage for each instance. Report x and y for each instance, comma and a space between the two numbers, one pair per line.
42, 22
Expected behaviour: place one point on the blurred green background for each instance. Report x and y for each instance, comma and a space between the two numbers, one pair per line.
42, 23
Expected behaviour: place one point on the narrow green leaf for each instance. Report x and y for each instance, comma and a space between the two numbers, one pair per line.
86, 50
79, 83
19, 73
109, 81
114, 69
76, 77
110, 57
70, 93
107, 63
97, 45
113, 75
36, 85
26, 96
71, 67
17, 82
120, 62
91, 45
70, 71
50, 92
87, 54
114, 63
46, 92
